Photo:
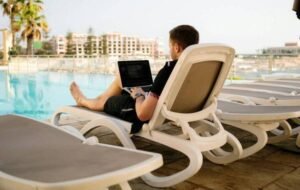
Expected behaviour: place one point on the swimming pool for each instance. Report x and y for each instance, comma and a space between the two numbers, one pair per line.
38, 95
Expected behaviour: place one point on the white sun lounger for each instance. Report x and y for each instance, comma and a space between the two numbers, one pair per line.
297, 80
287, 83
282, 90
270, 87
287, 77
188, 100
258, 120
35, 155
260, 97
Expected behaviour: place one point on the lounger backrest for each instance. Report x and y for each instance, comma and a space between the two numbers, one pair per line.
196, 87
196, 80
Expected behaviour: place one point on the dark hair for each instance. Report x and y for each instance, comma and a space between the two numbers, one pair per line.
296, 8
184, 35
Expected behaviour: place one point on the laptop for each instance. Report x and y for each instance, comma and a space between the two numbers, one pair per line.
135, 73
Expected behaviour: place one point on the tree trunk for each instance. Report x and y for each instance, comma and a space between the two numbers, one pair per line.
12, 30
29, 50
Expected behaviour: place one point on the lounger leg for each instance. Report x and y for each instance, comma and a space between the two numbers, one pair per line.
220, 156
256, 130
184, 146
125, 186
298, 141
281, 134
296, 130
213, 132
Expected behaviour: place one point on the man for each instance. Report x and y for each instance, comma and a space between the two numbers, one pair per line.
137, 107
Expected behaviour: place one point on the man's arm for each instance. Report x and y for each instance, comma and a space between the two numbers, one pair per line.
144, 106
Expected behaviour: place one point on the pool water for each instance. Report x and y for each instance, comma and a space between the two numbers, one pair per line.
38, 95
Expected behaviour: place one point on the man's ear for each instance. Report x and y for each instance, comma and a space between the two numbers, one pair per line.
178, 48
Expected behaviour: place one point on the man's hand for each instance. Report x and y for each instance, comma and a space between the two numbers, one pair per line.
135, 91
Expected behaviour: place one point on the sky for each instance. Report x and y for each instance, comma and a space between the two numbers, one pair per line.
246, 25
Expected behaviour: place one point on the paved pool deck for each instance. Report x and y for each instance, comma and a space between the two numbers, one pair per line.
275, 167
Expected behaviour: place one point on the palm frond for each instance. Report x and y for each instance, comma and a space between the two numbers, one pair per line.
16, 26
37, 35
39, 1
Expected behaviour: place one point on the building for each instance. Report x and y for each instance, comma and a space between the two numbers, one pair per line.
115, 44
77, 44
289, 49
111, 44
93, 46
59, 44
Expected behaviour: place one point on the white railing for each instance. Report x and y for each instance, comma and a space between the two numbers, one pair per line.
107, 65
103, 65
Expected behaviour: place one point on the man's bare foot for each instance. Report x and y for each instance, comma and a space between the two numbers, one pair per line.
76, 93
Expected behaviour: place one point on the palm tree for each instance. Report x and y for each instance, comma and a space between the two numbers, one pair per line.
34, 23
12, 9
69, 38
89, 44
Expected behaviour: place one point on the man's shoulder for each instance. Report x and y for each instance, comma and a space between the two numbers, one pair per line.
169, 65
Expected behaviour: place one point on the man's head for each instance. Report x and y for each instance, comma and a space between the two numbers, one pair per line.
296, 8
181, 37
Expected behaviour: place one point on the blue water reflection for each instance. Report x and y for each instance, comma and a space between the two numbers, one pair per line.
38, 95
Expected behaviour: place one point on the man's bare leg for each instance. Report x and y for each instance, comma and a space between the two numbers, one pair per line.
76, 93
97, 103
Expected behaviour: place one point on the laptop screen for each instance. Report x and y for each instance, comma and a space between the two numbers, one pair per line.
135, 73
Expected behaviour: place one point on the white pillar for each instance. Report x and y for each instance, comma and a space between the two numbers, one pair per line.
6, 43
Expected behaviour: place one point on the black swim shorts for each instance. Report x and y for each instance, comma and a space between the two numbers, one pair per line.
123, 107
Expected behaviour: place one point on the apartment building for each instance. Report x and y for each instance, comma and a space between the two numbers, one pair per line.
93, 46
289, 49
76, 44
111, 44
59, 44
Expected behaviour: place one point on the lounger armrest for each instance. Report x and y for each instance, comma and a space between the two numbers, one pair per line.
217, 138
